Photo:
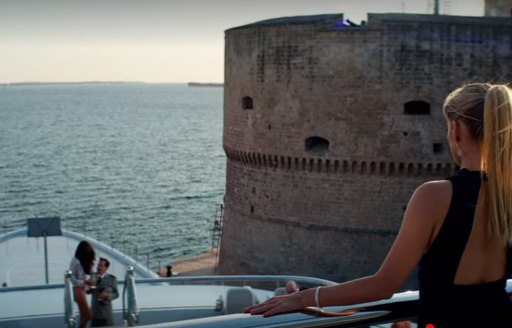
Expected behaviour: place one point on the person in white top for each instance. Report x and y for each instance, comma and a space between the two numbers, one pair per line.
81, 265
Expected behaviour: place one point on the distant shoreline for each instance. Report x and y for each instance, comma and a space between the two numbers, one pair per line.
198, 84
77, 82
190, 84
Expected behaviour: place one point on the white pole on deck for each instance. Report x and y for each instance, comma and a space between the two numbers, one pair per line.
45, 257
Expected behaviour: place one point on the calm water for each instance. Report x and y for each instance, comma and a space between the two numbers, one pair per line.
138, 166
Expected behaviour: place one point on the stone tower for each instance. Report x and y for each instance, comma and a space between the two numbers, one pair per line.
329, 127
498, 8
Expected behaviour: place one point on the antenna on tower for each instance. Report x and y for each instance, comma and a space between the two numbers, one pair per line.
436, 7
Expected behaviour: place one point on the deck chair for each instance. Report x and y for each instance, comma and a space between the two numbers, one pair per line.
238, 298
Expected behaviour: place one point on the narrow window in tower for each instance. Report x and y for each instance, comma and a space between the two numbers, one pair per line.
437, 147
316, 146
417, 107
247, 103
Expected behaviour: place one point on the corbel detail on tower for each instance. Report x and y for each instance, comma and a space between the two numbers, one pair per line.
338, 166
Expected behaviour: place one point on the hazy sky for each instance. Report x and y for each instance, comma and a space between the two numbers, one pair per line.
153, 40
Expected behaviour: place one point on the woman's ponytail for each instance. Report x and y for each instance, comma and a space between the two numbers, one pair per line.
497, 159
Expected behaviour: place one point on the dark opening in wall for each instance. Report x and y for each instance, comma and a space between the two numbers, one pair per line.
345, 166
382, 168
437, 147
316, 145
417, 107
247, 103
401, 167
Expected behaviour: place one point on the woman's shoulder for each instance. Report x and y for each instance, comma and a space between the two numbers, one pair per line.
435, 189
74, 265
432, 199
73, 261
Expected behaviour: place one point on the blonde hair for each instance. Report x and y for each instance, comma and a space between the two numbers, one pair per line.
486, 110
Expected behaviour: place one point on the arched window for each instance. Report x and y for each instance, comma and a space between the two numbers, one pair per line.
316, 145
417, 107
247, 103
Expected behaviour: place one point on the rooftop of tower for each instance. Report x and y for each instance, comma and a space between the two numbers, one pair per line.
339, 22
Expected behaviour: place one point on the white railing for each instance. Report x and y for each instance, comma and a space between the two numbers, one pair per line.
69, 315
131, 310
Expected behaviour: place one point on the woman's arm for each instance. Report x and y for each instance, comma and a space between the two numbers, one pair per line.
424, 214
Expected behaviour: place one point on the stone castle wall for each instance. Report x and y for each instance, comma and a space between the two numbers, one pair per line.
498, 8
328, 129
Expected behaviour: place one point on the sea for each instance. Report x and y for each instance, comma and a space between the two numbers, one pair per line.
138, 166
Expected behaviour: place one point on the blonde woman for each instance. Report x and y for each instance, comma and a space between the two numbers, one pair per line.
458, 229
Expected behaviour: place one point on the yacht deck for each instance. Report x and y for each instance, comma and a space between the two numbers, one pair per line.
23, 259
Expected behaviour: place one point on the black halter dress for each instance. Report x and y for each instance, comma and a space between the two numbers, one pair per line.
442, 303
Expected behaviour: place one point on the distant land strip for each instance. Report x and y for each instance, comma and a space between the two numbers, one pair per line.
198, 84
77, 82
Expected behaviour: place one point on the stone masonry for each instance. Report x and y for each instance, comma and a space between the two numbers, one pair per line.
330, 127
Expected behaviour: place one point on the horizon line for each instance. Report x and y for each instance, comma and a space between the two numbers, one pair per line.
101, 82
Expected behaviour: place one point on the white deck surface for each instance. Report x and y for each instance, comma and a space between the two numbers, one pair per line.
23, 260
155, 296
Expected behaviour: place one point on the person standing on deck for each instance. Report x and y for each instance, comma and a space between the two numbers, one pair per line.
80, 266
103, 295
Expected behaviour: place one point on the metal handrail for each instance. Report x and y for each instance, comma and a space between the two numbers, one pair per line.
239, 278
130, 308
69, 315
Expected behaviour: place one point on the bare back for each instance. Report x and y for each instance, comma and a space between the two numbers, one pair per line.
484, 258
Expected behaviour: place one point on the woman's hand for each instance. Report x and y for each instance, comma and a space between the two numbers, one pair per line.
278, 304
